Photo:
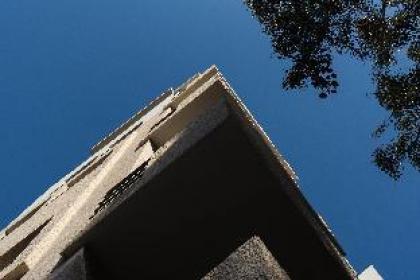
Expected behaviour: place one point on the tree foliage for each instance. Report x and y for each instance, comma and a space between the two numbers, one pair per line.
386, 33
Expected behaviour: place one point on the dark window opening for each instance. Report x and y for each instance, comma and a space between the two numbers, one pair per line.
120, 188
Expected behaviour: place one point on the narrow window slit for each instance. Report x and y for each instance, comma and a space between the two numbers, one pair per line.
166, 114
120, 188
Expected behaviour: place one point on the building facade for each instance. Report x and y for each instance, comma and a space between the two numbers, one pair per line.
189, 188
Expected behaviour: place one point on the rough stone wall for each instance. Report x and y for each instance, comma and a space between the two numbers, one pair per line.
251, 261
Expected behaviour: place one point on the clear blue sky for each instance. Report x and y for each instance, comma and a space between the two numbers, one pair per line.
72, 70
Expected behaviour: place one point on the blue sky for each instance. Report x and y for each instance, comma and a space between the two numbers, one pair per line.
72, 70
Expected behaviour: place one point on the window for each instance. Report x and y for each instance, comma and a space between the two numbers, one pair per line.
120, 188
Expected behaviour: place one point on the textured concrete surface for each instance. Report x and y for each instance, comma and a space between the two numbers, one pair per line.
190, 221
55, 226
251, 261
74, 268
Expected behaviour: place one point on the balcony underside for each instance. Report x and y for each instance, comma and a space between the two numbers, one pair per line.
203, 206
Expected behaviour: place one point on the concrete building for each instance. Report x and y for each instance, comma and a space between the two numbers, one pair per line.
370, 273
189, 188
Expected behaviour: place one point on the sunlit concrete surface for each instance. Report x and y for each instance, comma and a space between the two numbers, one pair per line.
370, 273
190, 187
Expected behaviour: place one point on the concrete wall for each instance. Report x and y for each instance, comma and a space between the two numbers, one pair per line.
251, 261
30, 246
38, 241
370, 273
